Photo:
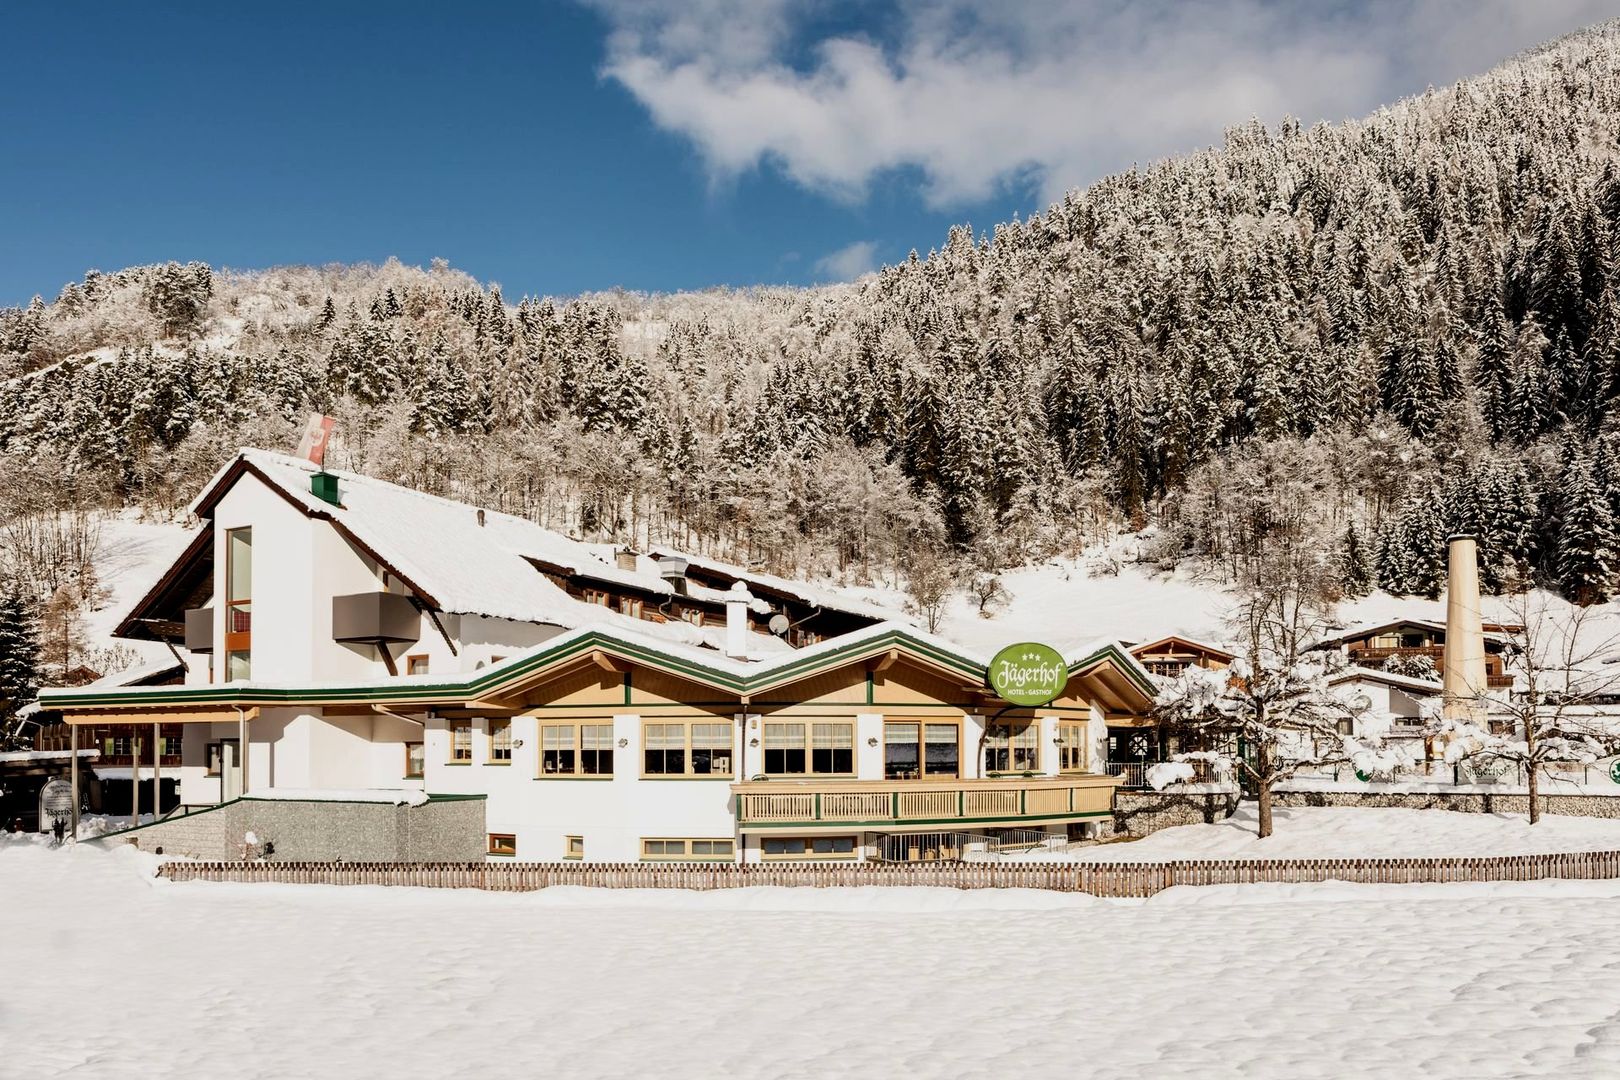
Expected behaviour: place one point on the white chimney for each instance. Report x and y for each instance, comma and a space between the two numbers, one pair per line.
1463, 673
737, 601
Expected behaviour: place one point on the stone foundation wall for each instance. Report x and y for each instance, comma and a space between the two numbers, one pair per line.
1138, 813
441, 830
1599, 806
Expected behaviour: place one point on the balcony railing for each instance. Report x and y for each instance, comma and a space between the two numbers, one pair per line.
812, 803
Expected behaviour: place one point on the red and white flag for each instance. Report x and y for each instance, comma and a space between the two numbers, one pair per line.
316, 434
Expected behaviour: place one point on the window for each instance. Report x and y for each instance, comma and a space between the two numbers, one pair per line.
1012, 747
701, 850
576, 750
212, 757
500, 742
915, 750
629, 606
594, 596
460, 742
116, 746
1072, 746
416, 665
502, 843
238, 604
701, 749
808, 847
821, 749
574, 847
414, 758
692, 615
171, 746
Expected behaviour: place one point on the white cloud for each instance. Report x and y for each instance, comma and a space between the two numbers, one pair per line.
1051, 92
849, 262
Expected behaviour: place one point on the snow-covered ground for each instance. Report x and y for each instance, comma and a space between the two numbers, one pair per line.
1332, 832
121, 976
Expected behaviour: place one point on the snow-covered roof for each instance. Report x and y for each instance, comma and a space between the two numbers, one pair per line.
45, 755
638, 642
131, 676
1369, 629
459, 558
1389, 678
803, 591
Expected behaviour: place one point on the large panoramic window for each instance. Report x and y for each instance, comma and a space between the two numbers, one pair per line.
576, 750
914, 750
687, 749
238, 605
1012, 747
810, 749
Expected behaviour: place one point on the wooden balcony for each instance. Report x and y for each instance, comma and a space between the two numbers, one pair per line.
823, 804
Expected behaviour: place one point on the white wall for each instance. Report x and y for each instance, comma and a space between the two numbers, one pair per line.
613, 815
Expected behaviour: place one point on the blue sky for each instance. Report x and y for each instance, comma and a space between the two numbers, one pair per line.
556, 148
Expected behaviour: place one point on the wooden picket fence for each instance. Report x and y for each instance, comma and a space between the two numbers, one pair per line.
1099, 879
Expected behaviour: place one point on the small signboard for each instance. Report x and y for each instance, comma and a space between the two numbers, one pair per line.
55, 802
1028, 673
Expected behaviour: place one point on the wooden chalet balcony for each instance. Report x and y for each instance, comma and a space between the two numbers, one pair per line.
774, 804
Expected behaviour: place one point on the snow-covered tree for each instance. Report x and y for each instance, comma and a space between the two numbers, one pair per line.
1561, 662
19, 659
1272, 713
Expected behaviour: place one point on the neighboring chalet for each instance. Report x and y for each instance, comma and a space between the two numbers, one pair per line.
1170, 656
1372, 646
1402, 696
350, 640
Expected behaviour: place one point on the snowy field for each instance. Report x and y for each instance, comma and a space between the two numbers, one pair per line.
1350, 832
116, 975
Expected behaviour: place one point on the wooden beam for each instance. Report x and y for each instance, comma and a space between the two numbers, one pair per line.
607, 663
884, 662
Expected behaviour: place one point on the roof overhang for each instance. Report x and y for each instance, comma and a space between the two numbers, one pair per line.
152, 617
1107, 670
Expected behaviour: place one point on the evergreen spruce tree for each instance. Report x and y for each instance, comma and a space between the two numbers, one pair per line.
19, 658
1355, 564
1586, 538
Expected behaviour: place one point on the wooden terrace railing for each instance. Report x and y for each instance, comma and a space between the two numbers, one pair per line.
901, 802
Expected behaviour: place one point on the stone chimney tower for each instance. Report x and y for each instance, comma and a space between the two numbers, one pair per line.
1463, 673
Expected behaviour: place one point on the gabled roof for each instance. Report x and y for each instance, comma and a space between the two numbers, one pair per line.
1389, 678
720, 672
456, 557
1177, 639
187, 580
1497, 632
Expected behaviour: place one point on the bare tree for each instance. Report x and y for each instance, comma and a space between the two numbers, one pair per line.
1272, 714
1553, 715
931, 581
988, 592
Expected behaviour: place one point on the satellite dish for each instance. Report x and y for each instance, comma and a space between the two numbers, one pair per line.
779, 624
1361, 703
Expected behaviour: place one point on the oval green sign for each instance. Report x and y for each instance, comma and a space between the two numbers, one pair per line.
1028, 673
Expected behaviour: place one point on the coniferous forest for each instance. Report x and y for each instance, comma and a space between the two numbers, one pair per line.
1343, 340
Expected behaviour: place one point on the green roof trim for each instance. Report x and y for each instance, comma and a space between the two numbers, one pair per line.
475, 684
